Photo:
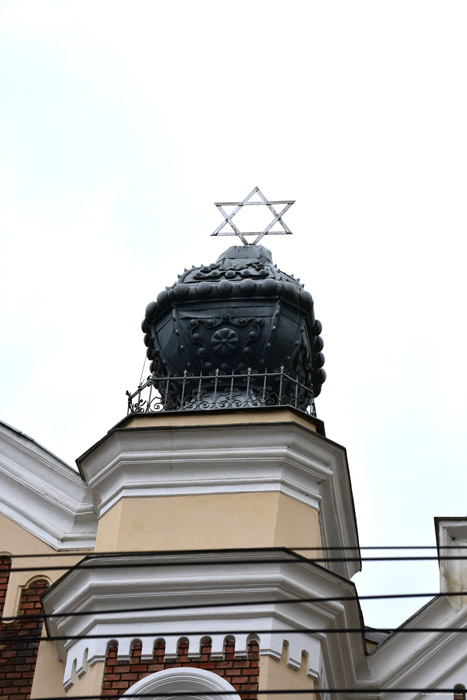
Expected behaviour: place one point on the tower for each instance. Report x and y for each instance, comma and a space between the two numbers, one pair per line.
207, 545
211, 496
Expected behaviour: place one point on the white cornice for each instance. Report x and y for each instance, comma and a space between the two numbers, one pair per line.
180, 579
43, 495
451, 536
283, 457
425, 659
417, 660
438, 659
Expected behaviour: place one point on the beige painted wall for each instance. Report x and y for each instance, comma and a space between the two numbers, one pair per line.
48, 675
277, 675
297, 525
90, 683
214, 521
15, 540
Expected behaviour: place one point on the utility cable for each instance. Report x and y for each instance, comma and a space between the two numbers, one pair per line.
227, 604
229, 632
377, 692
93, 554
87, 564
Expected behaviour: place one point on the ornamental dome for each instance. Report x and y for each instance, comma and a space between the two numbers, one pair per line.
238, 313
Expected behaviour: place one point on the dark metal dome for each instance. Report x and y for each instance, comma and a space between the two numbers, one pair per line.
240, 312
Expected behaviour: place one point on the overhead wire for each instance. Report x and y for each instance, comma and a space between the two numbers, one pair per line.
93, 554
232, 562
229, 604
299, 559
227, 632
377, 692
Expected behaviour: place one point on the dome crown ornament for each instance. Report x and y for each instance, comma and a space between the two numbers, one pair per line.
249, 202
236, 333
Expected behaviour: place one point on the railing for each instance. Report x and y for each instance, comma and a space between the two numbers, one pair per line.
217, 390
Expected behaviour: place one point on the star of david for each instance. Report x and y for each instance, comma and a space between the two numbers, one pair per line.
235, 231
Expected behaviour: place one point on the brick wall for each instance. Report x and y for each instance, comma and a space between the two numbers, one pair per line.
5, 566
241, 673
17, 654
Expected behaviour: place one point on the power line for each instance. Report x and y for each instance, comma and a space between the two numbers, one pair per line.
87, 564
229, 632
92, 554
293, 691
190, 606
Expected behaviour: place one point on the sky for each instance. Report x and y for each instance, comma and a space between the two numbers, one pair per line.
122, 122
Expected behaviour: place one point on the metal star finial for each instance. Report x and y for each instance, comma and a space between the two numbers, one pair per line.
246, 202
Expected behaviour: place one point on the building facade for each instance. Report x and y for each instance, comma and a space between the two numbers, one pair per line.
208, 543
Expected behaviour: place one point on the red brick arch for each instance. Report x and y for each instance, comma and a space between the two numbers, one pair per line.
241, 672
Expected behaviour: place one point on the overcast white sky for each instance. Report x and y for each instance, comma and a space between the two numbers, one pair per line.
122, 122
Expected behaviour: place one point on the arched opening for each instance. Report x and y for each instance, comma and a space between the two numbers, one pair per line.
179, 680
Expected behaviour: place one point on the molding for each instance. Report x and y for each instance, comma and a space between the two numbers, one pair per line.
451, 538
435, 659
284, 457
181, 579
43, 495
427, 659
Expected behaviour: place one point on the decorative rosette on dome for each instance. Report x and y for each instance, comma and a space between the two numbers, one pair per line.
238, 313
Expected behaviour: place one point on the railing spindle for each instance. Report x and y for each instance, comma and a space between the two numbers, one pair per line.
216, 380
281, 375
183, 388
199, 388
148, 405
231, 388
167, 386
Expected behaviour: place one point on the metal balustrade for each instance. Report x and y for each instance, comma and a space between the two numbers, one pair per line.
219, 390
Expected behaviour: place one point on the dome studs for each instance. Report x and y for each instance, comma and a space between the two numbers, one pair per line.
150, 311
247, 286
181, 290
224, 288
203, 290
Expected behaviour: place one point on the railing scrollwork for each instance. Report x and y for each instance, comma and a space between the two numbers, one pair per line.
218, 390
